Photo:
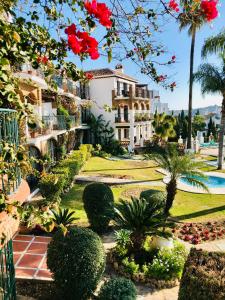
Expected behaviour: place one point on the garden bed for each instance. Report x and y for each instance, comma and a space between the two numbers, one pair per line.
197, 233
155, 267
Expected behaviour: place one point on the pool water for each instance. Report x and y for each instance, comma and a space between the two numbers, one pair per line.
210, 182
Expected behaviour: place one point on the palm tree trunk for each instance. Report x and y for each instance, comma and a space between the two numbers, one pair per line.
221, 137
191, 87
171, 190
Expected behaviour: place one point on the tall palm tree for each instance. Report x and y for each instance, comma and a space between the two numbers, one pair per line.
214, 45
193, 23
164, 126
212, 80
177, 166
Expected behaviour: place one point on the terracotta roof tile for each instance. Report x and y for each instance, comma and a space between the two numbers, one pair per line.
106, 72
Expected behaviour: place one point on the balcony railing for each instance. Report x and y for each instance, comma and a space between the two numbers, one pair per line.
10, 175
122, 118
137, 92
142, 93
142, 117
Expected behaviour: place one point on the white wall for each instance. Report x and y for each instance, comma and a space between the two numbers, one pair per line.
101, 94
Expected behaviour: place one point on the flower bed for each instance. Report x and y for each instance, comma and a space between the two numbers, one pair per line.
197, 233
157, 269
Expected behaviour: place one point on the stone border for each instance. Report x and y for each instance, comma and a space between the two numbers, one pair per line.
140, 277
193, 189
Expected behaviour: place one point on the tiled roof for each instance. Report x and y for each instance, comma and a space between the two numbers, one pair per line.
106, 72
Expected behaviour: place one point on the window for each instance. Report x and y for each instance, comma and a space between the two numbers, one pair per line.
126, 133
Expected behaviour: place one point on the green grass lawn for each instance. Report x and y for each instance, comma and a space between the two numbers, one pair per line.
187, 206
135, 170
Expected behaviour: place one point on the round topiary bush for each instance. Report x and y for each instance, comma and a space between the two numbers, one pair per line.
77, 261
98, 204
153, 196
118, 289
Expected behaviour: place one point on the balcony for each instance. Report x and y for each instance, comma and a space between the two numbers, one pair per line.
142, 93
132, 93
142, 117
53, 123
122, 118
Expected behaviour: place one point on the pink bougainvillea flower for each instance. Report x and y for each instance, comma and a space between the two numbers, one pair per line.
89, 76
209, 9
100, 11
42, 59
71, 29
173, 5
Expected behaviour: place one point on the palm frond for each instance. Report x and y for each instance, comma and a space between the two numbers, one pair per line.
214, 44
197, 183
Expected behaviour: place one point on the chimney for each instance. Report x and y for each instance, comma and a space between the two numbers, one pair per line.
119, 67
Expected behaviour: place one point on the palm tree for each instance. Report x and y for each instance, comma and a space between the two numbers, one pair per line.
177, 166
164, 126
141, 218
214, 45
193, 23
212, 80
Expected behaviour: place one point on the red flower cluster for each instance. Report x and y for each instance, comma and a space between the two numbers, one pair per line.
82, 42
174, 6
209, 9
89, 76
161, 78
42, 59
100, 11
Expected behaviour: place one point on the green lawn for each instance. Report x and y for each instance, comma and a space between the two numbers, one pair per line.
187, 206
135, 170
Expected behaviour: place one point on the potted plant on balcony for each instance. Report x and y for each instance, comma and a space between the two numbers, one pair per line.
32, 129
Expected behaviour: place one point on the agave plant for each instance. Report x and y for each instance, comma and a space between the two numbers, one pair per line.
140, 218
63, 216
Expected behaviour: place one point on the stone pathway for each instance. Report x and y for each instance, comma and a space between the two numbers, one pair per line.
116, 181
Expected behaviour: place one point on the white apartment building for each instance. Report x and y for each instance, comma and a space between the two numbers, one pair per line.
157, 105
130, 102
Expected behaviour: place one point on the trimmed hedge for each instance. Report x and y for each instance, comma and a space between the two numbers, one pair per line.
77, 261
118, 289
203, 276
153, 196
51, 186
98, 204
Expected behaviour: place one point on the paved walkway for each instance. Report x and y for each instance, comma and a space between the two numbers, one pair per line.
116, 181
30, 262
30, 253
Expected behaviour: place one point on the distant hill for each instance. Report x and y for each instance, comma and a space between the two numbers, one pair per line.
215, 109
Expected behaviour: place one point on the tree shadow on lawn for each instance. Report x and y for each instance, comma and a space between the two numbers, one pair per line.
201, 213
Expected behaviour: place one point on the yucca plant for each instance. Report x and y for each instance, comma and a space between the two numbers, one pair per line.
141, 218
63, 216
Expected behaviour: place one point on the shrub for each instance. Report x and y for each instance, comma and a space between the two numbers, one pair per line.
72, 165
118, 289
51, 186
167, 263
98, 204
86, 148
63, 172
130, 266
63, 216
203, 276
79, 156
77, 261
153, 196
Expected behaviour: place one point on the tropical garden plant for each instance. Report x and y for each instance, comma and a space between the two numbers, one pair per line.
63, 217
212, 80
163, 127
141, 218
176, 166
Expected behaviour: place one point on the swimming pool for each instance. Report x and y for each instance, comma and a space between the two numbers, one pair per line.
210, 182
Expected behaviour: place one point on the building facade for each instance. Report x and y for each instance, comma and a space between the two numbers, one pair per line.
157, 105
50, 128
130, 102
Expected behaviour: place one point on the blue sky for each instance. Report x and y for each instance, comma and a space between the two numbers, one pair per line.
178, 43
